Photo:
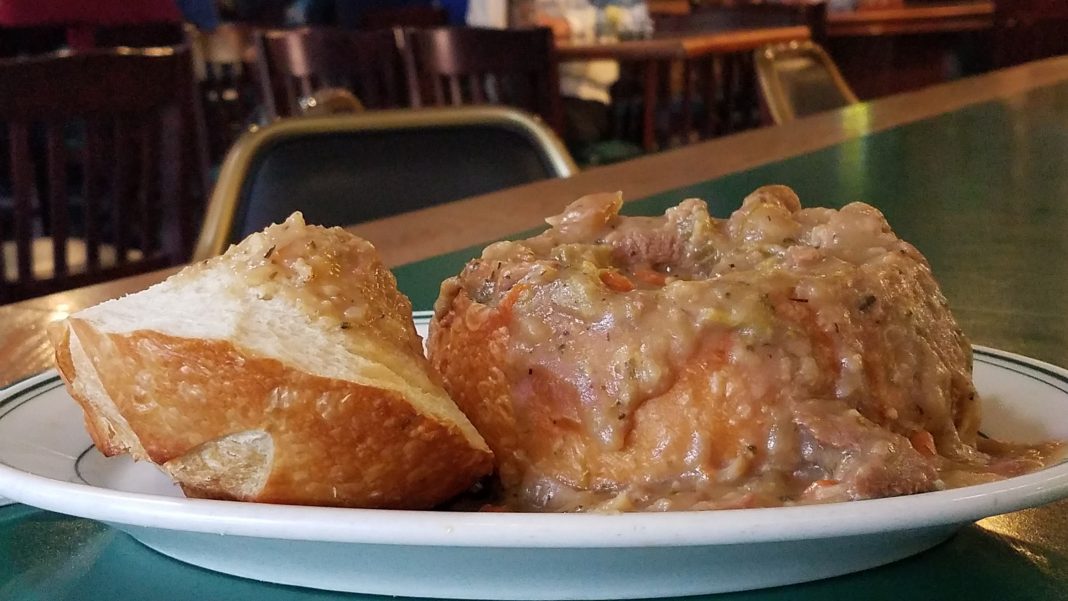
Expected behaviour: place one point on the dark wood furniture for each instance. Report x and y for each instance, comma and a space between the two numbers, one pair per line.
723, 88
103, 167
299, 62
1028, 30
890, 50
886, 50
461, 65
710, 16
726, 82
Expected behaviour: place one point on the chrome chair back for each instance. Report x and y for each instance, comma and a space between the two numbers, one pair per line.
799, 79
345, 169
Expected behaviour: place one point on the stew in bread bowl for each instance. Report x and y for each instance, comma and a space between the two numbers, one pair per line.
781, 356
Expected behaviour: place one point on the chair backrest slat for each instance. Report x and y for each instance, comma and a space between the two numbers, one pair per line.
57, 197
22, 183
175, 186
299, 62
455, 90
148, 185
92, 160
122, 186
478, 93
515, 58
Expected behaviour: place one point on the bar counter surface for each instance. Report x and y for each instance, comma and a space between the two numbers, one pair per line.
974, 173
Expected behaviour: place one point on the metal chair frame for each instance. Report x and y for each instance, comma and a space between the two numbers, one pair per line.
219, 221
778, 106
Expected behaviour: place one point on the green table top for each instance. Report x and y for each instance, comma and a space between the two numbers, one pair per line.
982, 191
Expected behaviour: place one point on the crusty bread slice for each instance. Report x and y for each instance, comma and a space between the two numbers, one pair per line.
287, 370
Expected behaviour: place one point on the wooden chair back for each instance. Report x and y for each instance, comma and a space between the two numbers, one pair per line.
466, 65
101, 167
800, 79
299, 62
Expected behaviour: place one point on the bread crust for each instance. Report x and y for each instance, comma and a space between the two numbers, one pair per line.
369, 448
547, 437
469, 355
287, 370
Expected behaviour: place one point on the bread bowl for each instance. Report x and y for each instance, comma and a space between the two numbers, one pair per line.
778, 357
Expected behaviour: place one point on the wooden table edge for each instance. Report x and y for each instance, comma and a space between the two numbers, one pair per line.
682, 47
913, 13
973, 16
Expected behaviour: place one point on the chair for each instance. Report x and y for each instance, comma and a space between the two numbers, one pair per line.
800, 79
466, 65
346, 169
298, 62
102, 164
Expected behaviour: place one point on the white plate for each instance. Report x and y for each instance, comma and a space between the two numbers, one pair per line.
46, 460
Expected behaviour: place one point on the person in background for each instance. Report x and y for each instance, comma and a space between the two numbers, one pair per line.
202, 13
457, 11
265, 13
